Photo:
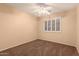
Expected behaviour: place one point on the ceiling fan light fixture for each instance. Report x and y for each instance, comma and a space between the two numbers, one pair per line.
41, 9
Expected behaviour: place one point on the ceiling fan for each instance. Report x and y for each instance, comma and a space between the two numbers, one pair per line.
41, 9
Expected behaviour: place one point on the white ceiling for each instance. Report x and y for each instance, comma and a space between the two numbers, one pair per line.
57, 7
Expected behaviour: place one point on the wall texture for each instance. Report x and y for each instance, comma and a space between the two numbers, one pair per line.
77, 29
68, 28
16, 27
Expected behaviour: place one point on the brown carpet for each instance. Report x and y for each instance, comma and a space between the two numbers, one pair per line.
41, 48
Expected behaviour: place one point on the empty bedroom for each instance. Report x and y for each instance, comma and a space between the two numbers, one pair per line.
39, 29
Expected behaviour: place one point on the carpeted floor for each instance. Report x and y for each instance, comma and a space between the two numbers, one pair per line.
41, 48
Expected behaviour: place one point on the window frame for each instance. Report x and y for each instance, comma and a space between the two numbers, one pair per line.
59, 17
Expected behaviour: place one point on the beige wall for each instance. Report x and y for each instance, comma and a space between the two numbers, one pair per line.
78, 28
16, 27
68, 29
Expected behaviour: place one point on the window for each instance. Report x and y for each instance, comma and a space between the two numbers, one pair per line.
53, 25
49, 25
45, 25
